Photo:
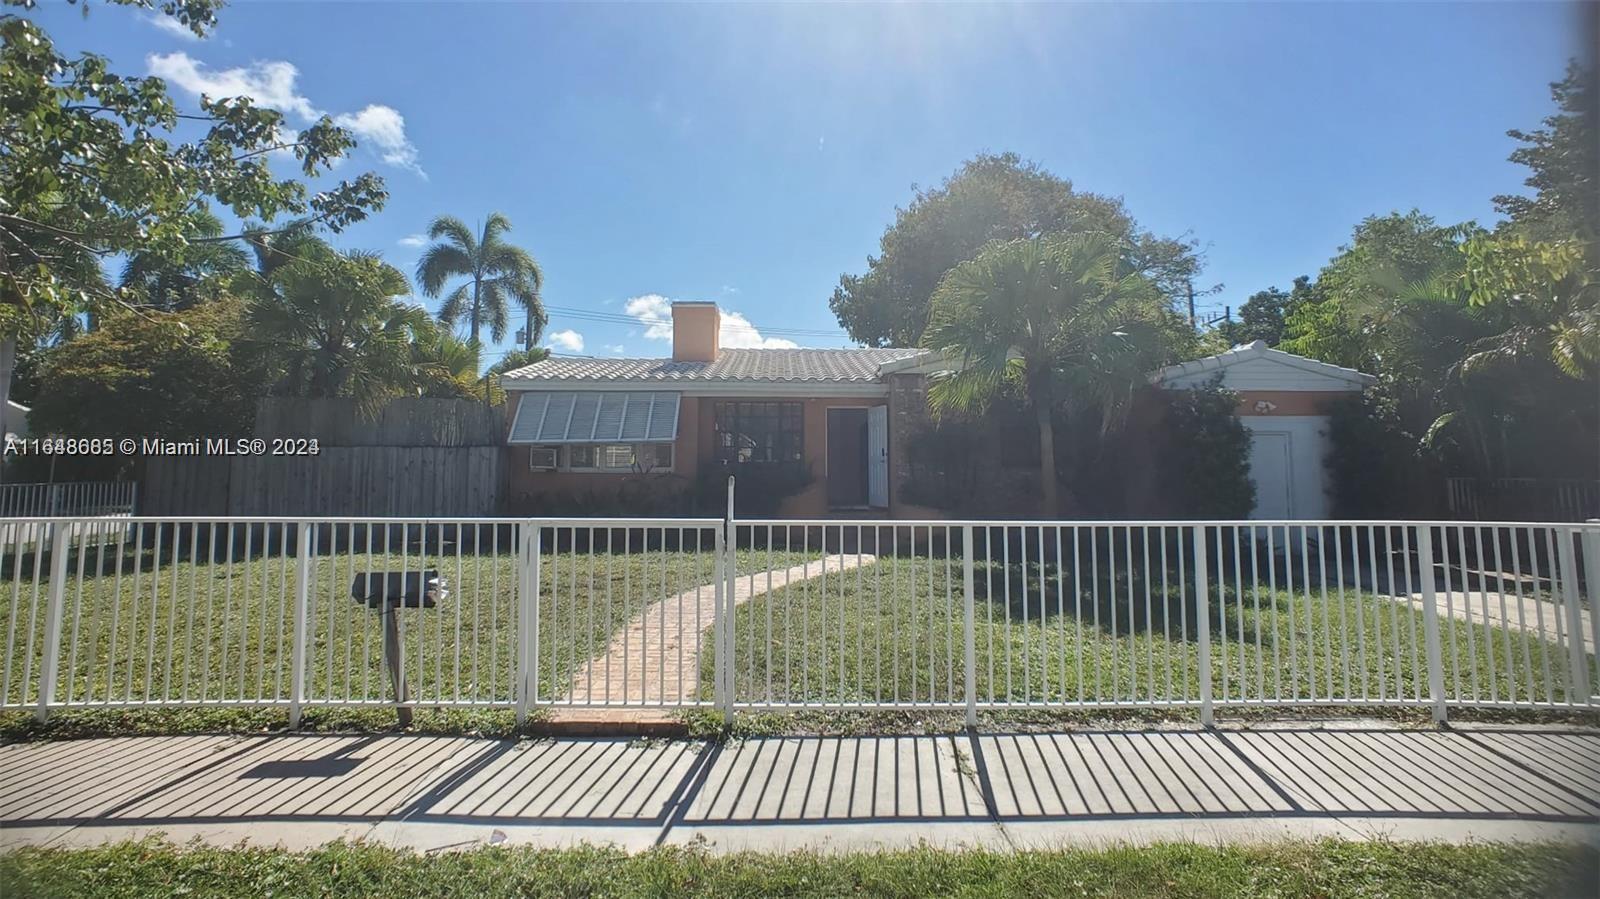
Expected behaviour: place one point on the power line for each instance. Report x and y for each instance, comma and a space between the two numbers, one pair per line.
620, 318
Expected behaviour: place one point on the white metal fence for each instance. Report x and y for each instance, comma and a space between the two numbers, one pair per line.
78, 499
751, 615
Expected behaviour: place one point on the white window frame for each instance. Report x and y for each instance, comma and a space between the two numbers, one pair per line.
564, 463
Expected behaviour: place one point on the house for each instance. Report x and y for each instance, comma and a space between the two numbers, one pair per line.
585, 426
1283, 402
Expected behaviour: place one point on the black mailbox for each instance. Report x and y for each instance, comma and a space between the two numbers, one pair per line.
399, 589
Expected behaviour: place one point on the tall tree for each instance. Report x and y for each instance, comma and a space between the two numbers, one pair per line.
94, 166
1057, 319
331, 324
1563, 159
991, 197
197, 273
497, 273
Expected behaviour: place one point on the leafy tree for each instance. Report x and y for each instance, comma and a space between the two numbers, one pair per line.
990, 198
511, 361
1057, 319
1262, 316
330, 324
1342, 317
151, 373
496, 273
1564, 162
92, 167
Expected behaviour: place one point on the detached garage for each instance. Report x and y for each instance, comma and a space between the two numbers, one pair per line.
1282, 401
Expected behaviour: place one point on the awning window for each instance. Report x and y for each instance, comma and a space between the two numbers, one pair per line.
594, 416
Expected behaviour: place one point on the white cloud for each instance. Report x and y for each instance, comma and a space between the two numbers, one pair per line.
654, 311
385, 127
270, 83
413, 240
738, 333
273, 83
616, 349
171, 26
568, 340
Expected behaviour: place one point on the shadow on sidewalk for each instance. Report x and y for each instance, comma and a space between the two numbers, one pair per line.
1503, 774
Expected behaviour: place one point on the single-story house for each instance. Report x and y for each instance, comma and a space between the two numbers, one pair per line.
587, 425
582, 425
1283, 400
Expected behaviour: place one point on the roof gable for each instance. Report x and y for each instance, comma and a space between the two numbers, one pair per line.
1256, 366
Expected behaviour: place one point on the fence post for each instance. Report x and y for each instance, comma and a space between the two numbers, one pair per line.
727, 579
1202, 619
303, 551
1591, 566
1578, 690
969, 626
52, 620
529, 558
1430, 623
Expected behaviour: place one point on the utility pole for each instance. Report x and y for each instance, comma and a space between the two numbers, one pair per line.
1191, 302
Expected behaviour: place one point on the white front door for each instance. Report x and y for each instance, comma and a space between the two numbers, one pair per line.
1272, 472
878, 456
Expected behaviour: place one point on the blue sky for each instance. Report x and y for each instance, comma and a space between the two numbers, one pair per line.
750, 154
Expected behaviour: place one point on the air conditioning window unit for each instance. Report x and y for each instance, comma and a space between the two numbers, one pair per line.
542, 458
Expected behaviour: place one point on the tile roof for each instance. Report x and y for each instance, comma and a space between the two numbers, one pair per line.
747, 365
1259, 350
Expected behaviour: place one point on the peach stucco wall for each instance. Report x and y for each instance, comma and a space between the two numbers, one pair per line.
1288, 402
695, 447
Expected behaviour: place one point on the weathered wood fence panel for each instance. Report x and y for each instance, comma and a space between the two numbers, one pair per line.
416, 458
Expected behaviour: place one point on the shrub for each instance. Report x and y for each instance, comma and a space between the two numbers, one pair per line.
759, 487
1204, 463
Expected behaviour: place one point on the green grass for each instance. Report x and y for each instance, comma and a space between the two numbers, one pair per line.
1323, 868
200, 630
900, 623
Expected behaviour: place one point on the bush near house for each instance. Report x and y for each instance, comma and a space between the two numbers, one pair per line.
1177, 454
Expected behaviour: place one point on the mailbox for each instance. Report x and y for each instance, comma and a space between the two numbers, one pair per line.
399, 589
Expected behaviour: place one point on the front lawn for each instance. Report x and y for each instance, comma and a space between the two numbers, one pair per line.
137, 627
893, 632
1325, 868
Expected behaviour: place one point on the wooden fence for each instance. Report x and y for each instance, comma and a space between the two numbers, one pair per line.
1523, 499
418, 457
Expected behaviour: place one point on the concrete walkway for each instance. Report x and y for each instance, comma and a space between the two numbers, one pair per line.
1529, 614
655, 658
1359, 781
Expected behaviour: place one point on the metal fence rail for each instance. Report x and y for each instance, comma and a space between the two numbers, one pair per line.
781, 614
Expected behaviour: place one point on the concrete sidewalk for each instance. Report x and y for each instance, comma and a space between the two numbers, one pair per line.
1356, 780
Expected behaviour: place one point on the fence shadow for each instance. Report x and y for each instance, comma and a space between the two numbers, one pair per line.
1111, 774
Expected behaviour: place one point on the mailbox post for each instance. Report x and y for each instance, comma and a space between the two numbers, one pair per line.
388, 592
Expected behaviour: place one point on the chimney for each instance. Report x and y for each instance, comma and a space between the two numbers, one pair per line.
695, 330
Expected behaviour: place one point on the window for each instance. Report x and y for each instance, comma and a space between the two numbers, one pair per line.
618, 457
758, 432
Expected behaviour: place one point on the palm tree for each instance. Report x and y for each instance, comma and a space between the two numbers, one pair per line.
174, 284
496, 272
330, 323
1057, 318
444, 365
511, 361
